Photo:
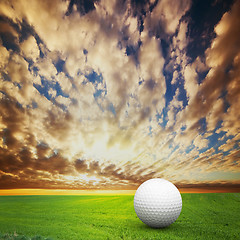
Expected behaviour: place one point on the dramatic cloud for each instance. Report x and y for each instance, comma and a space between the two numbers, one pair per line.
107, 94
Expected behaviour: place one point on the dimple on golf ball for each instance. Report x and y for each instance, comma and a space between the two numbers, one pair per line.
157, 203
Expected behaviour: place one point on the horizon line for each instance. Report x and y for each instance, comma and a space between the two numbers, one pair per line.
38, 191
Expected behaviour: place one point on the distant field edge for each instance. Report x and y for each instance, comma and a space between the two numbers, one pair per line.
12, 192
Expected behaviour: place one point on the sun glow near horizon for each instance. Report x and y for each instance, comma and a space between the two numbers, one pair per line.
22, 192
18, 192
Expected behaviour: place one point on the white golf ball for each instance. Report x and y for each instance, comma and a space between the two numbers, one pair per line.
157, 203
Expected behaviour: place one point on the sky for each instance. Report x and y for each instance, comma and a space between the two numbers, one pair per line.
105, 94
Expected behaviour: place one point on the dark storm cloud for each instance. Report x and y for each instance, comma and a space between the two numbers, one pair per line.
57, 122
9, 162
164, 17
150, 84
12, 33
42, 150
23, 158
30, 179
12, 116
204, 16
9, 41
81, 166
8, 35
221, 57
16, 156
139, 9
23, 169
54, 164
83, 6
8, 138
131, 173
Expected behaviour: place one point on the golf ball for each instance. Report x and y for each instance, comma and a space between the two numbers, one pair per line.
157, 203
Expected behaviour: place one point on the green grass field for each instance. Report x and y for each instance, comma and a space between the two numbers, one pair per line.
204, 216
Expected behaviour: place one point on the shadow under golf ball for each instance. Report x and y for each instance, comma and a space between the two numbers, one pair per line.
173, 227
